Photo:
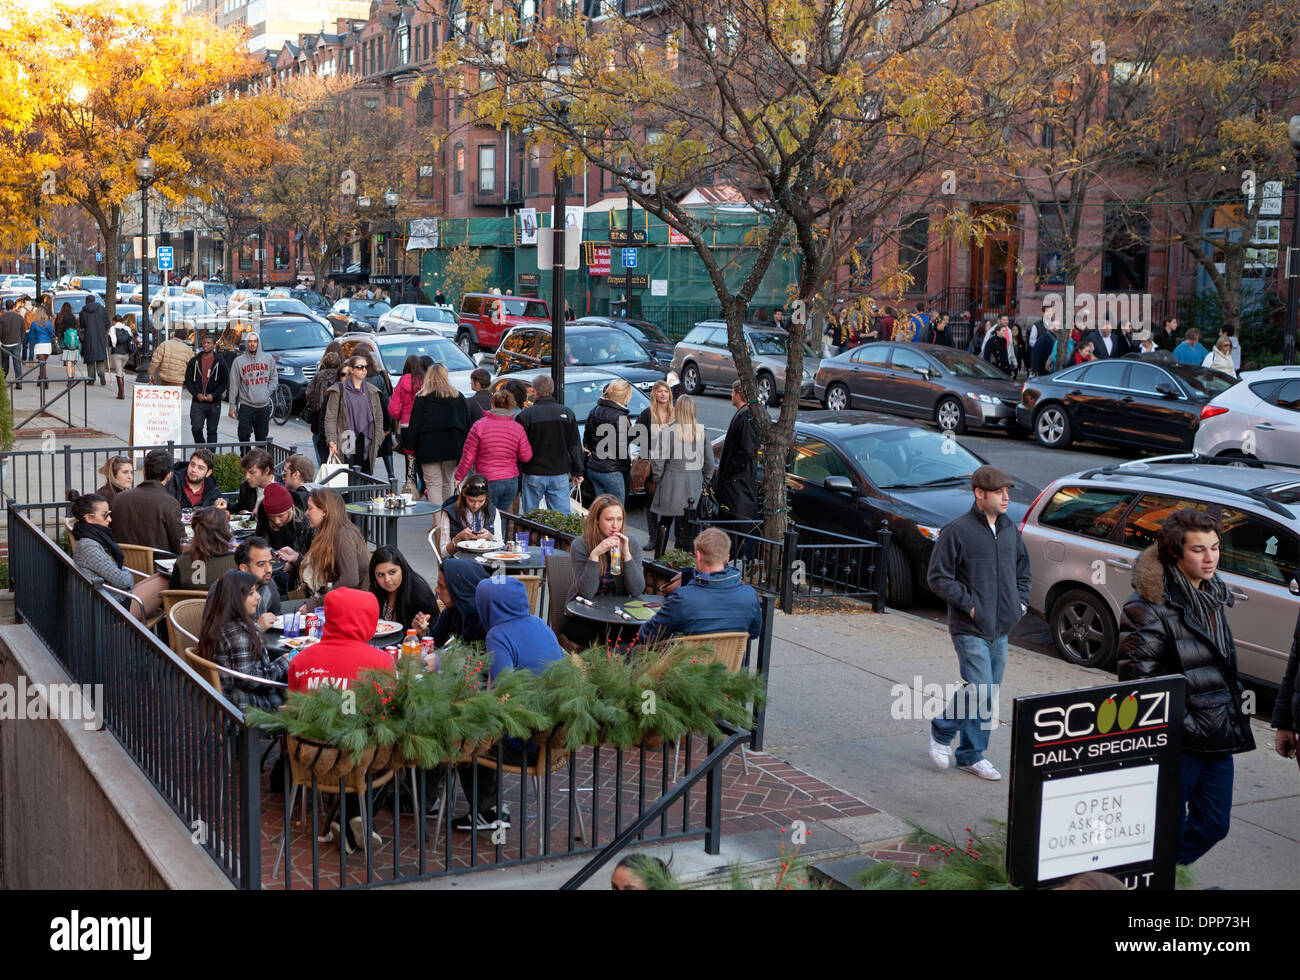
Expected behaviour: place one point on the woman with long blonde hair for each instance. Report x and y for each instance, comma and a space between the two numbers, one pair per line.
684, 466
651, 425
607, 441
436, 433
590, 557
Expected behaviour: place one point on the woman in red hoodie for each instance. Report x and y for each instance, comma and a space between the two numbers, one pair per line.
399, 406
495, 447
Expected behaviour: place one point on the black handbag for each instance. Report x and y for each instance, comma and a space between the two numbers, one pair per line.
707, 509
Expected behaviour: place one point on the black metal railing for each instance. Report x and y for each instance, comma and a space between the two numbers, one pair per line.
187, 739
50, 393
45, 475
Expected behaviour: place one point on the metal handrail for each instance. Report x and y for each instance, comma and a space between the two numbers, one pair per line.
708, 769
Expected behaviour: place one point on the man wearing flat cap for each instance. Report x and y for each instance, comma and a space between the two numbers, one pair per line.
980, 568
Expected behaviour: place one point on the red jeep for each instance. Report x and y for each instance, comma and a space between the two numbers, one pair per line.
485, 317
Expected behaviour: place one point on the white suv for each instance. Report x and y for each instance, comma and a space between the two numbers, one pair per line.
1258, 417
1085, 531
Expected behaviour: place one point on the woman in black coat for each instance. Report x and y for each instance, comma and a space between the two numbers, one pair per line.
436, 433
1286, 710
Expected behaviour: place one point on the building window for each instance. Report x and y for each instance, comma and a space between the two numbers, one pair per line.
404, 46
424, 181
1124, 261
913, 251
458, 170
1054, 254
424, 107
534, 168
487, 169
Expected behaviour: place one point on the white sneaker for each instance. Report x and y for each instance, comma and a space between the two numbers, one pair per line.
940, 754
984, 769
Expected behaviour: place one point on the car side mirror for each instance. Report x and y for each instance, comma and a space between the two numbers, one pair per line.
839, 484
485, 360
923, 372
1167, 390
1295, 587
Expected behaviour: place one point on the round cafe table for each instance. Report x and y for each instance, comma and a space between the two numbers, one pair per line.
529, 562
604, 610
391, 515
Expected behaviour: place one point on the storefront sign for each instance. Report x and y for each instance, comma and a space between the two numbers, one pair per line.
1095, 784
598, 261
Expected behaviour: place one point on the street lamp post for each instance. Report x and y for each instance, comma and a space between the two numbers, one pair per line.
391, 199
145, 171
1293, 253
558, 75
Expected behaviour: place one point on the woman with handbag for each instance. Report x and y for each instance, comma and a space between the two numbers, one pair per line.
649, 424
354, 417
399, 407
683, 468
42, 342
121, 345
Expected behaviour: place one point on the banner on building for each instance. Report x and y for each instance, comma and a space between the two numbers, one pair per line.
527, 226
424, 234
598, 259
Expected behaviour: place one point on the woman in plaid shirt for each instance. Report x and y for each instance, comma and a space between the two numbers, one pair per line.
230, 639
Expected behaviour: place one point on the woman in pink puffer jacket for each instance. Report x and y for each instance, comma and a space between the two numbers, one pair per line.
495, 447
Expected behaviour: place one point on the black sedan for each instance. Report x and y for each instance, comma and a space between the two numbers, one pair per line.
850, 471
1147, 402
527, 347
645, 333
927, 381
349, 315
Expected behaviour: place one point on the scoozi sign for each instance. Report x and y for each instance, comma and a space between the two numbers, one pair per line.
1095, 784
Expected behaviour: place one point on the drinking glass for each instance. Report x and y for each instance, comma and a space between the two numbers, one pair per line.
548, 547
523, 537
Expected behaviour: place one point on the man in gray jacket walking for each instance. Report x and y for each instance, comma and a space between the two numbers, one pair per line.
980, 568
253, 377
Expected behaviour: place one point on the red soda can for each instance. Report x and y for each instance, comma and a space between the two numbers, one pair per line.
312, 624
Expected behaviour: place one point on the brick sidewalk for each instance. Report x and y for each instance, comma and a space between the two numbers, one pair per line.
770, 796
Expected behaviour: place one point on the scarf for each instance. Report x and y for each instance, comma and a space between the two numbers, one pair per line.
1205, 607
359, 412
97, 532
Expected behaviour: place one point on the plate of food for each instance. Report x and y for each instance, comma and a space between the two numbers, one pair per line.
300, 642
387, 626
165, 564
480, 545
503, 556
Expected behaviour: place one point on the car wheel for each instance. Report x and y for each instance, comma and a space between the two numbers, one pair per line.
901, 592
765, 389
1083, 629
837, 398
950, 415
1052, 427
466, 343
691, 380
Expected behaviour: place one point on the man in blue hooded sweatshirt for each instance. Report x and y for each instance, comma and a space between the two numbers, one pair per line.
711, 600
515, 640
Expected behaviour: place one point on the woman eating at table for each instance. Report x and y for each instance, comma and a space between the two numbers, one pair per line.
230, 638
404, 596
457, 580
208, 556
338, 556
119, 474
602, 541
95, 552
471, 516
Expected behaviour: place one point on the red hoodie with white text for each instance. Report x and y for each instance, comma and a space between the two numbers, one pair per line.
351, 617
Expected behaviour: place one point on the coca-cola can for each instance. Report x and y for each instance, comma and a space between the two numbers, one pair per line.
312, 624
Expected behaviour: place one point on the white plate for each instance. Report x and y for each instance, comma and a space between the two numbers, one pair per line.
492, 556
387, 626
165, 564
300, 642
481, 545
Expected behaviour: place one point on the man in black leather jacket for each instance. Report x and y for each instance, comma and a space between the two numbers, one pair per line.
1176, 622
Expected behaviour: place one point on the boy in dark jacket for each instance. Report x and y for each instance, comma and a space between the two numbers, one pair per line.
1176, 622
192, 483
711, 600
980, 568
206, 379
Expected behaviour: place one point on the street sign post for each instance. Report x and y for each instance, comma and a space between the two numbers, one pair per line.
1095, 784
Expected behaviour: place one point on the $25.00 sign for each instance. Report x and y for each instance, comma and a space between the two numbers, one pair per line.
155, 415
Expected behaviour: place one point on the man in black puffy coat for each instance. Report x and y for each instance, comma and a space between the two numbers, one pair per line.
1176, 622
1286, 710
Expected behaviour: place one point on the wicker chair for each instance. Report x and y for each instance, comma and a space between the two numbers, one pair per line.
726, 648
139, 558
171, 597
535, 771
559, 577
183, 623
533, 586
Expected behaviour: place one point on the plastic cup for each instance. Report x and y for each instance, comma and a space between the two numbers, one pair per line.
548, 547
523, 537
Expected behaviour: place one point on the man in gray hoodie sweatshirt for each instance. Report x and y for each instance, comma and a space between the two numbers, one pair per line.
253, 378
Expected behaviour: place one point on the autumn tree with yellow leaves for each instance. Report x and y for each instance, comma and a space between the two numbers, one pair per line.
86, 89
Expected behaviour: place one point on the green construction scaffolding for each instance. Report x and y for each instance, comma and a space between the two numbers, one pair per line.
678, 290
